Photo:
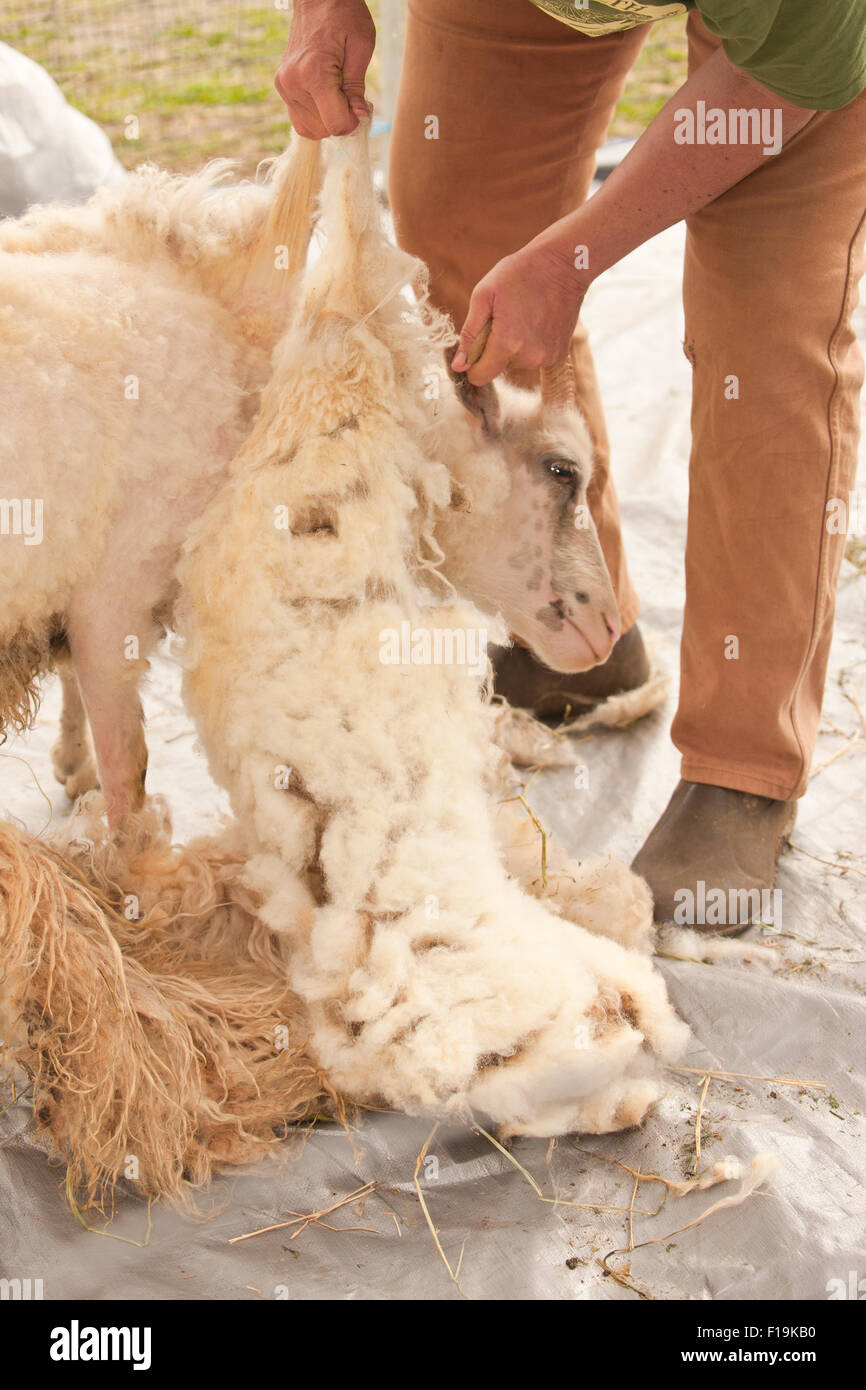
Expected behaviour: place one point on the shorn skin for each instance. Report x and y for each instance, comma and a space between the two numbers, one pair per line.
137, 335
434, 982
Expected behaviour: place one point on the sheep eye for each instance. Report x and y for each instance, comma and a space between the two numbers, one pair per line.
561, 468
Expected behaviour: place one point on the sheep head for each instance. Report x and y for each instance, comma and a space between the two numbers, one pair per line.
519, 538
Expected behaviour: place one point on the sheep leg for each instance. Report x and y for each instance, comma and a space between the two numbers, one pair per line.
72, 755
105, 653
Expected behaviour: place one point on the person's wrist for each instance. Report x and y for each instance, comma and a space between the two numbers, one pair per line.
561, 263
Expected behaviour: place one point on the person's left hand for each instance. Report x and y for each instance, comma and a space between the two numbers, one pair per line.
533, 298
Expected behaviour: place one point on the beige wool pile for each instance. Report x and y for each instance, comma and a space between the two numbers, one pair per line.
373, 928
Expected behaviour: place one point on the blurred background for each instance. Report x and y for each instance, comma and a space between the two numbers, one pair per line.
182, 81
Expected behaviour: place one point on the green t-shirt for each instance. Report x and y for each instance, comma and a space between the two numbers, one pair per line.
811, 52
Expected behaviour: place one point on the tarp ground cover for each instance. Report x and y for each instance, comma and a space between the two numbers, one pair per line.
806, 1020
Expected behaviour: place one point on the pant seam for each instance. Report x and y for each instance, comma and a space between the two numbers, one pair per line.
760, 786
833, 405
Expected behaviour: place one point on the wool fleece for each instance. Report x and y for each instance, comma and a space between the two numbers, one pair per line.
433, 982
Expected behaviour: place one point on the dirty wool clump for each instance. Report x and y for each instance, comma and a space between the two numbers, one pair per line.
156, 1026
434, 982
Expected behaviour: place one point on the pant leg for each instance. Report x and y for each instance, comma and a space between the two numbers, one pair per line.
522, 104
770, 283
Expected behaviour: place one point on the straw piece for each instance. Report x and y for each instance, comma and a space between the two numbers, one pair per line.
750, 1076
761, 1168
362, 1191
699, 1116
452, 1274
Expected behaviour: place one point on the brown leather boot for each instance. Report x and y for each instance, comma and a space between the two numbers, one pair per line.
710, 860
527, 684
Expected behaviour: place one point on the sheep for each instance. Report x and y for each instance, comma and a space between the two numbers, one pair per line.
133, 346
360, 789
426, 963
137, 336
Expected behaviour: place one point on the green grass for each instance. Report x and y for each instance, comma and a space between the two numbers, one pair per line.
658, 72
198, 74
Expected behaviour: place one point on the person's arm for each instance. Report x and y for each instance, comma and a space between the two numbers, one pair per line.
321, 76
534, 296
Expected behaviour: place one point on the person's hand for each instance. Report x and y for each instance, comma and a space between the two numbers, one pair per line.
321, 76
533, 298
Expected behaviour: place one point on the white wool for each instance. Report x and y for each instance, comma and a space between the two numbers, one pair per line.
686, 944
434, 981
73, 436
602, 894
529, 743
619, 711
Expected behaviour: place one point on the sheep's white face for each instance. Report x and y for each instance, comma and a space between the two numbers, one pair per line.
522, 541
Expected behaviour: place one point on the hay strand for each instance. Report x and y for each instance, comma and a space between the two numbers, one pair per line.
453, 1274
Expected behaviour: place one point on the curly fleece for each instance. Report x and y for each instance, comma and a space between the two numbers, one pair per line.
434, 982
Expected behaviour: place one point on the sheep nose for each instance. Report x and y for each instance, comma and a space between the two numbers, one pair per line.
613, 627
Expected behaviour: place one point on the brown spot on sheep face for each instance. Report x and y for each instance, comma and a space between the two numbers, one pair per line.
534, 581
551, 615
521, 557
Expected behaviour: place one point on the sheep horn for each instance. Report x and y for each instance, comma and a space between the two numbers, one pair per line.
558, 385
476, 349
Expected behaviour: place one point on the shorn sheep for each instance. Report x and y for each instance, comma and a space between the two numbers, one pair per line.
137, 335
433, 982
360, 933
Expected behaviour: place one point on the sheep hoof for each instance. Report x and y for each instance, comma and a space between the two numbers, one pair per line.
75, 769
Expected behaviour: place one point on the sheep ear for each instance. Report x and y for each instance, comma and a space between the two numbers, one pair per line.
480, 401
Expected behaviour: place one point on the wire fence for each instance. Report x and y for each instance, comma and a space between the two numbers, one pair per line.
182, 81
177, 81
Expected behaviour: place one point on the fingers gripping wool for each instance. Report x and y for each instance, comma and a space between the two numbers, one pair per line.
433, 982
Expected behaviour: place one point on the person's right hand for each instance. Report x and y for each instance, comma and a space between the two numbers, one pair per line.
321, 77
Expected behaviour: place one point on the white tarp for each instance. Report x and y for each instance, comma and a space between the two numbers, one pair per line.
804, 1021
49, 151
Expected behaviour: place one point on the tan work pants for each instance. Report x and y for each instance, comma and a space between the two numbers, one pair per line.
522, 104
